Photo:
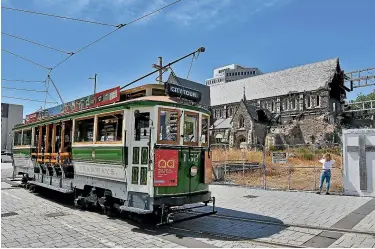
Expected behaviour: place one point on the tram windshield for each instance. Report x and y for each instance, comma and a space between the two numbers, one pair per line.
182, 127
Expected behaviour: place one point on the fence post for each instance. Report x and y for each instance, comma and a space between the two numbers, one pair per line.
315, 159
289, 176
264, 168
243, 166
225, 163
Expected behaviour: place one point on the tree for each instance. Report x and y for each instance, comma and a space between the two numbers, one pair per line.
363, 97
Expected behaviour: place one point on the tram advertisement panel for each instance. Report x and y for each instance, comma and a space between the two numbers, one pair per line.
207, 167
166, 168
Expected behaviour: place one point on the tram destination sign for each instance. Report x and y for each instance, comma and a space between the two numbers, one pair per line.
279, 157
174, 90
94, 100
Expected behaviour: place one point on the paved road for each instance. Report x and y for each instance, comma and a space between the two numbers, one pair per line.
42, 222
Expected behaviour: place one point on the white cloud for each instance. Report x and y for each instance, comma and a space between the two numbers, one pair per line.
206, 13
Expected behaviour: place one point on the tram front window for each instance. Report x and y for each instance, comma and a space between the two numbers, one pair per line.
26, 140
204, 125
169, 125
17, 138
191, 128
110, 128
84, 130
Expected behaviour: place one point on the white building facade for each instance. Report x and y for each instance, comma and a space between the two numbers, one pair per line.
11, 115
231, 73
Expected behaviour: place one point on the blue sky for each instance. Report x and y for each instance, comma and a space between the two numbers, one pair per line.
268, 34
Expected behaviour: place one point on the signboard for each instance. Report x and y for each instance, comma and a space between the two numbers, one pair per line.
207, 167
174, 90
165, 168
99, 99
279, 157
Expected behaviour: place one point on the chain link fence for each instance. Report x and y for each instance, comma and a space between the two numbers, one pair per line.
283, 167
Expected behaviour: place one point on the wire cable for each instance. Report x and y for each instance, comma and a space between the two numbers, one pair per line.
33, 62
23, 89
118, 27
57, 16
42, 101
36, 43
35, 81
191, 63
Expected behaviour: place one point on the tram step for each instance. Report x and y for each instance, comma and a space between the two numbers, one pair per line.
62, 190
135, 210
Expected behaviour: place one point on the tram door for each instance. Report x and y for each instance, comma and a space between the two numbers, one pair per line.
139, 123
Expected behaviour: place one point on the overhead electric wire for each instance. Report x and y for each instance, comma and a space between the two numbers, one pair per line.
23, 89
36, 43
33, 62
118, 28
35, 81
57, 16
11, 97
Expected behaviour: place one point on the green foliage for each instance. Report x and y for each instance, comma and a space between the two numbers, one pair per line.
363, 97
308, 156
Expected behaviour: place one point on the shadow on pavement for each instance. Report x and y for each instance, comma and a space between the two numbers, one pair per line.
211, 226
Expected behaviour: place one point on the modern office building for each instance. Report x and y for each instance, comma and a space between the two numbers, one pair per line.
11, 115
231, 73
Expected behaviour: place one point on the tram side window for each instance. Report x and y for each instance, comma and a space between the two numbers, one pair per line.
110, 128
84, 130
36, 137
141, 126
191, 128
58, 138
204, 127
169, 125
26, 140
17, 138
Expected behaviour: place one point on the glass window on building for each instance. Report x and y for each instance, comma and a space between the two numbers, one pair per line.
84, 130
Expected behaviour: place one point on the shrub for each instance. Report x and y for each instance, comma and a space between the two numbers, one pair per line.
308, 156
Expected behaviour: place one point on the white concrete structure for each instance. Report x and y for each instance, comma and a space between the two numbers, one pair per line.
359, 162
231, 73
11, 115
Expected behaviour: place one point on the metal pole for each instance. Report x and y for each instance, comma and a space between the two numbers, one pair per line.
160, 70
94, 82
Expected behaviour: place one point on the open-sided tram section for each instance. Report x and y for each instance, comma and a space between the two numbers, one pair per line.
143, 150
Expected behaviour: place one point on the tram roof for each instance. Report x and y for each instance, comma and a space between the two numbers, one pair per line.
140, 101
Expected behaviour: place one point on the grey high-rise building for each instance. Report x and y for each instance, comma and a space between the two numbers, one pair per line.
11, 115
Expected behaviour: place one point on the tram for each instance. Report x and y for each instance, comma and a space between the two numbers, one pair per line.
142, 150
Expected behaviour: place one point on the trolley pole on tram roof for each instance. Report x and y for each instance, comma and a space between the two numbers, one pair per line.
94, 82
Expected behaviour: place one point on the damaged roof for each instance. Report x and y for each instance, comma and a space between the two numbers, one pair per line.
308, 77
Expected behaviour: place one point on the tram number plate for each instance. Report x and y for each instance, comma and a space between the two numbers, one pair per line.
166, 168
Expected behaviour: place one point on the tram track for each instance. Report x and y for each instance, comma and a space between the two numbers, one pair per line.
259, 221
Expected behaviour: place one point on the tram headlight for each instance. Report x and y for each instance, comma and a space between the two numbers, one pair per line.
193, 170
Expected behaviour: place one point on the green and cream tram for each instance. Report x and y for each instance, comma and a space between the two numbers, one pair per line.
136, 150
